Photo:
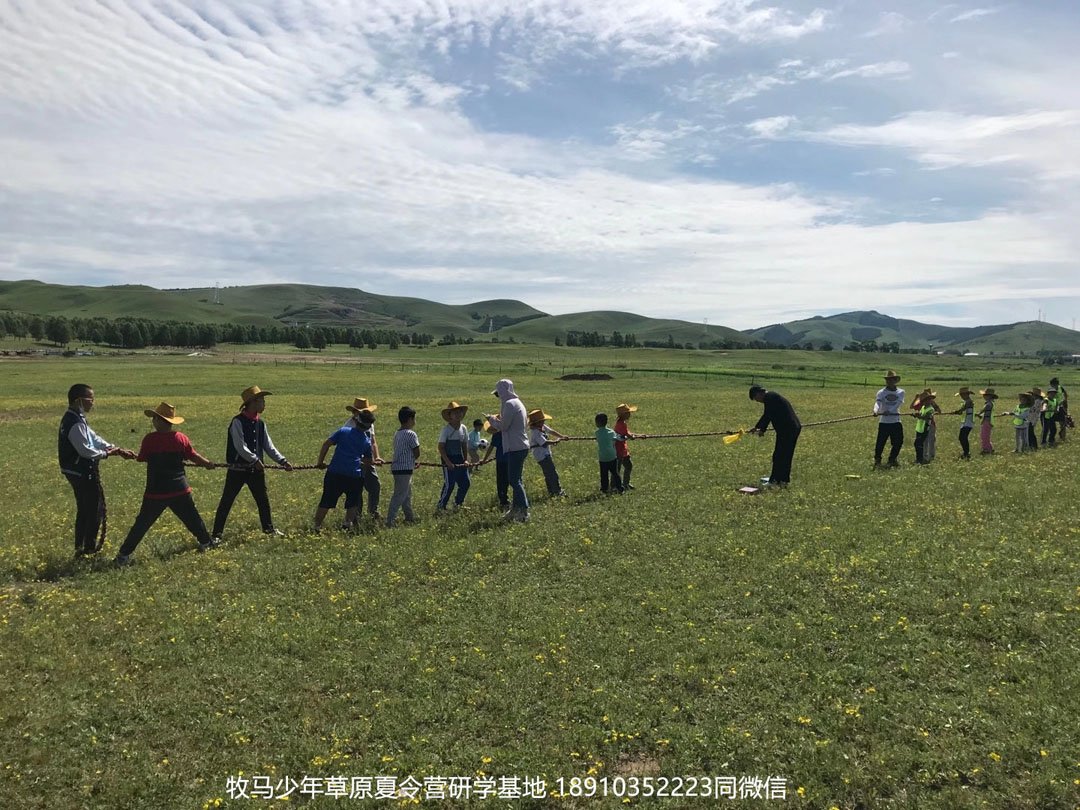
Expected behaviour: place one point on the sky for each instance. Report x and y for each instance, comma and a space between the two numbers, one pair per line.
738, 161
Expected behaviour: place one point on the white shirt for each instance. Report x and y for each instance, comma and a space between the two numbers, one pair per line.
456, 440
887, 405
539, 443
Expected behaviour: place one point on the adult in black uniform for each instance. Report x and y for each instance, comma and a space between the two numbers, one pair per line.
780, 414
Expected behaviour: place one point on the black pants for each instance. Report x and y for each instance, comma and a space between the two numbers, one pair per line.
87, 511
502, 482
372, 487
1049, 432
610, 470
1033, 438
783, 452
892, 433
236, 480
183, 506
626, 466
964, 431
920, 443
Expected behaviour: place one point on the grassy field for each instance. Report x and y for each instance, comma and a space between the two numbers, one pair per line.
903, 639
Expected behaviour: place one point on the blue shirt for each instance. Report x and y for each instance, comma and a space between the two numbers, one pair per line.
352, 445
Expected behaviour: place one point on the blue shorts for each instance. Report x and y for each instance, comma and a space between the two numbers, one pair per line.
335, 485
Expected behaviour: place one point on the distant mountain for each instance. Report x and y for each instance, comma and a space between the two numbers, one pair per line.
307, 304
847, 327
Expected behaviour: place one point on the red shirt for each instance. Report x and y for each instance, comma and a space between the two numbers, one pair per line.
620, 447
165, 454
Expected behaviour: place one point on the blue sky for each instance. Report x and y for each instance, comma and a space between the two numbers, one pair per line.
746, 162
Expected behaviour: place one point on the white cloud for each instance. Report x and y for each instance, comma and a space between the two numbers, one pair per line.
973, 14
893, 69
889, 23
944, 140
772, 127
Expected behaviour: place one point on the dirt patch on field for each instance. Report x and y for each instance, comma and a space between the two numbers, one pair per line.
636, 765
587, 377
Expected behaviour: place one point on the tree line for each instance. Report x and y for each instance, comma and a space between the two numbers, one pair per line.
139, 333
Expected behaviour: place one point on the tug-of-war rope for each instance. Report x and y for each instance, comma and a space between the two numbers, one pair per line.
635, 437
730, 436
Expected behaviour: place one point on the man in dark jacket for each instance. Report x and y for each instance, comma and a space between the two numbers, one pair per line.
780, 414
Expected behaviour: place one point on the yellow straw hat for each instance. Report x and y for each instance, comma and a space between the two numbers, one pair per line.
622, 409
490, 428
965, 391
453, 406
537, 416
989, 392
166, 412
249, 394
361, 404
892, 375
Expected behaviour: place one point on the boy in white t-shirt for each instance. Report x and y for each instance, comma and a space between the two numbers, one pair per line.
406, 454
541, 450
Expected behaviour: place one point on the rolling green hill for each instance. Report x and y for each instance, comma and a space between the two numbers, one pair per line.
544, 330
307, 304
842, 329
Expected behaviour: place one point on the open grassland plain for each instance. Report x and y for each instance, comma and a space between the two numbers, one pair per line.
908, 638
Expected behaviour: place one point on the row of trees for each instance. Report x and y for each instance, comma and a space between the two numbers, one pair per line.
138, 333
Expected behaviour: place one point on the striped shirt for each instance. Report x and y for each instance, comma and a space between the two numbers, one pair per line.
405, 441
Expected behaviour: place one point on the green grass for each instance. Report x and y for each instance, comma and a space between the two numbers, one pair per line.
906, 639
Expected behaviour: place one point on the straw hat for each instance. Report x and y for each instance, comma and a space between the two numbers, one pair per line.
989, 392
249, 394
490, 428
361, 404
1026, 395
622, 409
964, 392
1036, 392
891, 375
453, 406
927, 394
537, 416
166, 412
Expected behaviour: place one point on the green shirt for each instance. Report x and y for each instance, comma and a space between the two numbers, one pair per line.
605, 444
925, 415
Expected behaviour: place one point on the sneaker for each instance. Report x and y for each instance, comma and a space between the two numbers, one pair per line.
273, 532
509, 515
207, 546
523, 517
893, 463
123, 560
375, 516
628, 486
216, 538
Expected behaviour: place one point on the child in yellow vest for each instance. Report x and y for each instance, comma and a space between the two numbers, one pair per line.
1020, 421
923, 417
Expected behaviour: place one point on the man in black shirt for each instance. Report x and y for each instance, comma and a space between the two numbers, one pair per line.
781, 415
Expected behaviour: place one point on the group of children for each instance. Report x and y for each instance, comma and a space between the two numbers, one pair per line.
1049, 409
351, 472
